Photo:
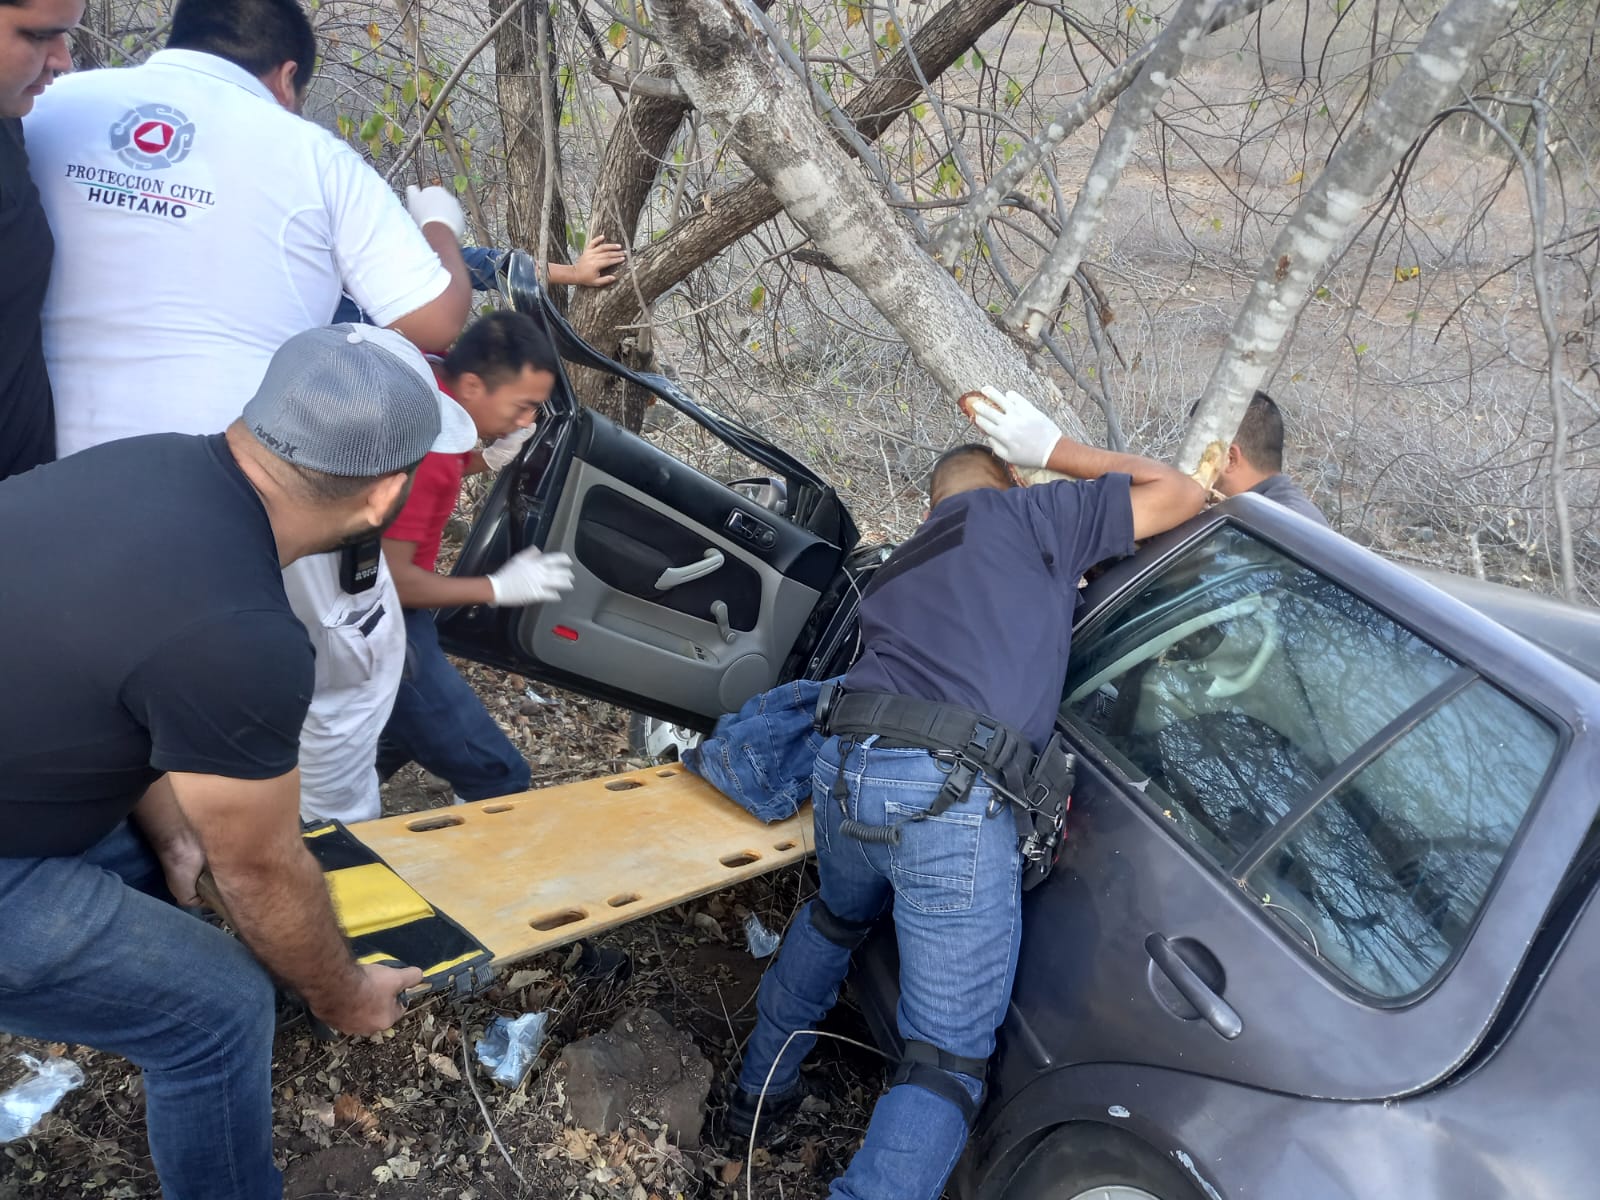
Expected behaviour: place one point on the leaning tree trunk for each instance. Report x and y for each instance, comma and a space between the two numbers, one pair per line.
521, 119
1033, 311
1431, 80
725, 216
763, 112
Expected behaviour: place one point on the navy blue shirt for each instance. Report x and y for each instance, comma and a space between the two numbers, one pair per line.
1285, 491
976, 608
146, 631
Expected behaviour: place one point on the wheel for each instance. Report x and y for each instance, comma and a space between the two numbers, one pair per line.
1092, 1162
656, 740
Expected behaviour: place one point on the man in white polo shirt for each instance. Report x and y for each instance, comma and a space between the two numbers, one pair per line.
201, 223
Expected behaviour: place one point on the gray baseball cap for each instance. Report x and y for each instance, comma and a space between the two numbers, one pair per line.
356, 401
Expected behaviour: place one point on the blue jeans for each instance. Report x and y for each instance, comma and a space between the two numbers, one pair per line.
95, 953
439, 722
955, 883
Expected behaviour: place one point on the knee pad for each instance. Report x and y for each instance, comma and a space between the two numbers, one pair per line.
934, 1070
848, 934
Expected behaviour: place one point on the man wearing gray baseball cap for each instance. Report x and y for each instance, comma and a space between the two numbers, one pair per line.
153, 681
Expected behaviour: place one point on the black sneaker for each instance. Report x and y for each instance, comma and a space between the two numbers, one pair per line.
740, 1115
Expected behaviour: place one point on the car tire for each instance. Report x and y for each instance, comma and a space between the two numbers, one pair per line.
657, 741
1091, 1162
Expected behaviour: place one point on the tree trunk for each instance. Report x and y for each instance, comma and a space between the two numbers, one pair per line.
1033, 311
1431, 79
517, 87
632, 162
955, 233
727, 215
764, 113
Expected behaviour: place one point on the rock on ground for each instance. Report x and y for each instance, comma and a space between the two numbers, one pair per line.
641, 1066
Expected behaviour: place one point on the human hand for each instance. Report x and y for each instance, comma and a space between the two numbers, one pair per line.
531, 576
433, 204
1017, 431
372, 1003
181, 861
497, 455
598, 257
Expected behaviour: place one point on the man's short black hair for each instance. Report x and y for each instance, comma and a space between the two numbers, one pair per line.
1260, 436
258, 35
499, 347
960, 460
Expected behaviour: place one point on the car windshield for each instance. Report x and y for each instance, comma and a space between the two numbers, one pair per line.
1361, 785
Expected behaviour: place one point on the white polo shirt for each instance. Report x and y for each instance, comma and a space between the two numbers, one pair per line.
199, 226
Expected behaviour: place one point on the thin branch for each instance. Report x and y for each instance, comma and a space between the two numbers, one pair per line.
449, 86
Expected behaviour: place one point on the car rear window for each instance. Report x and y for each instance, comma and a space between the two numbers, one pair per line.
1362, 786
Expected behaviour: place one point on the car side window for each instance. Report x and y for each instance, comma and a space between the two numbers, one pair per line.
1315, 749
1385, 878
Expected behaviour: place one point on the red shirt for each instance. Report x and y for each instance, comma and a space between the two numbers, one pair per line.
432, 500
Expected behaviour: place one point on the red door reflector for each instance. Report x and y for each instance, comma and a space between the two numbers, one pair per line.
563, 631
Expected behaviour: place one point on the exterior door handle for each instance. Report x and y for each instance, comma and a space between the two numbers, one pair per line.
1218, 1013
674, 576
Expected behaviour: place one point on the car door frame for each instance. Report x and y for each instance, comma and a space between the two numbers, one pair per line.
509, 519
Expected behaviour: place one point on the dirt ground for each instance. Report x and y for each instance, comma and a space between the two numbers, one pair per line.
396, 1116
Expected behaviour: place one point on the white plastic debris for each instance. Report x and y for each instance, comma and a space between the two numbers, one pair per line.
761, 940
509, 1046
22, 1105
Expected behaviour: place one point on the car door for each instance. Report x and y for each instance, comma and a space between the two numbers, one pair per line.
690, 594
1321, 812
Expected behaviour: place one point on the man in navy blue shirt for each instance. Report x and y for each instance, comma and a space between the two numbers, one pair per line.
1255, 461
974, 611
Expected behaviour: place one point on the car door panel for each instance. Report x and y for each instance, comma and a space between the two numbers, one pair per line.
665, 645
688, 596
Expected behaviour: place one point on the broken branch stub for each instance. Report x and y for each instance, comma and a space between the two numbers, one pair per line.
1430, 80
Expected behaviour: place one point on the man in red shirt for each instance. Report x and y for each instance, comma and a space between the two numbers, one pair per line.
501, 370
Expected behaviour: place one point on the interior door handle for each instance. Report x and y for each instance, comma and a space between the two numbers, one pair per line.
1218, 1013
673, 576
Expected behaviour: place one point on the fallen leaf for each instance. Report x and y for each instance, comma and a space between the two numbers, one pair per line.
445, 1066
522, 979
730, 1171
350, 1113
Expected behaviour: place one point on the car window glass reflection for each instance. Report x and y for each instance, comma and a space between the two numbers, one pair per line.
1232, 685
1385, 878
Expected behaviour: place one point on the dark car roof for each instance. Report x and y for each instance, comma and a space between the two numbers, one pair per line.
1570, 632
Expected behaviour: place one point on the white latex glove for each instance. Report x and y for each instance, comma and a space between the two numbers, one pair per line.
434, 204
531, 576
1017, 431
497, 455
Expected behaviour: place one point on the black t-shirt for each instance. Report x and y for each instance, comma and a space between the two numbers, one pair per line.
146, 630
976, 608
27, 418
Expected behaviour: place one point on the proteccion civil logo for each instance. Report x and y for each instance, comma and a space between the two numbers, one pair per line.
153, 137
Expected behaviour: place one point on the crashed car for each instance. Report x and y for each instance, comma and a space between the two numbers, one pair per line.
1321, 927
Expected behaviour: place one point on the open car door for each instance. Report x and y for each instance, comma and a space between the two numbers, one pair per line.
690, 595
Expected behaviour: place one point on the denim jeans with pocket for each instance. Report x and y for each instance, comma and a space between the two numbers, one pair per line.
439, 722
955, 885
96, 954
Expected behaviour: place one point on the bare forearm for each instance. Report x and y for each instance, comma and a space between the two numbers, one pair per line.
281, 910
1090, 462
425, 589
1161, 495
161, 820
